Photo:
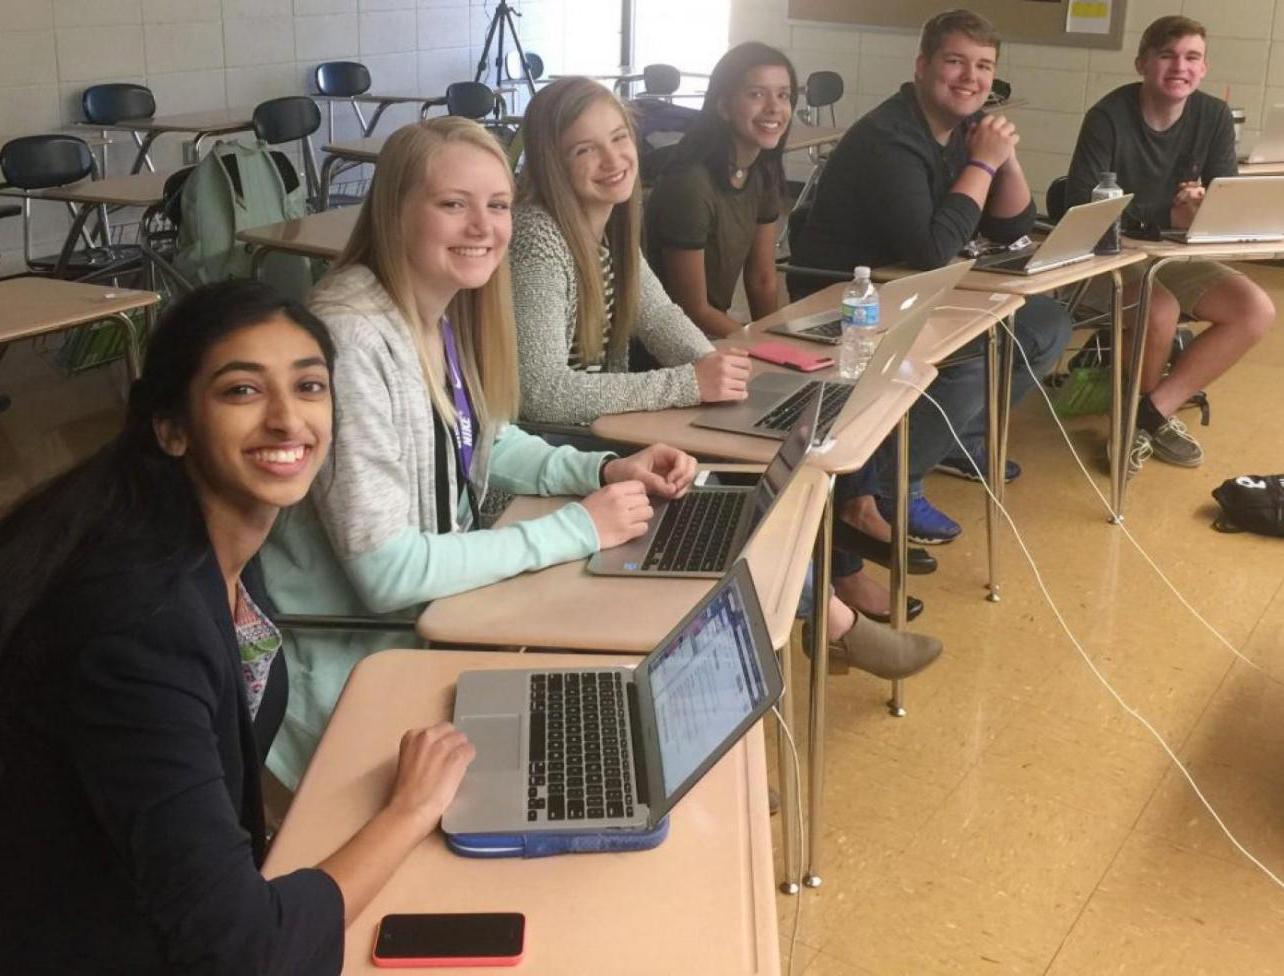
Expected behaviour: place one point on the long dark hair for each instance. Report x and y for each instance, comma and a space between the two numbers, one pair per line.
709, 140
130, 487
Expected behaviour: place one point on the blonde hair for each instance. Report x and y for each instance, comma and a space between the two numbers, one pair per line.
545, 180
482, 317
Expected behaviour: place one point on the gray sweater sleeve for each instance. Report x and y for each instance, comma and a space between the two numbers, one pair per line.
544, 300
666, 331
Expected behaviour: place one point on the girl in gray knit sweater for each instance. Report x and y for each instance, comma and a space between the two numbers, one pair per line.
581, 287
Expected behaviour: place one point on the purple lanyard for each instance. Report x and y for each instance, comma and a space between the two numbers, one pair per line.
463, 409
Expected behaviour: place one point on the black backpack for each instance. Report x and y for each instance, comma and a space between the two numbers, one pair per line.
1251, 502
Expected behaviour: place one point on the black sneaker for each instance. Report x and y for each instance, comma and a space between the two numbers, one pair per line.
1172, 443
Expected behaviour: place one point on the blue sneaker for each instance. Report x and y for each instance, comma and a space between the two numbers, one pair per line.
959, 466
928, 525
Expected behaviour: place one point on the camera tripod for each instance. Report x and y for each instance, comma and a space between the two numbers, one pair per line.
501, 21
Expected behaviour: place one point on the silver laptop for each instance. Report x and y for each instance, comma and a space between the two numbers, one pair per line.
704, 531
1270, 144
896, 297
1072, 239
600, 749
1235, 209
776, 395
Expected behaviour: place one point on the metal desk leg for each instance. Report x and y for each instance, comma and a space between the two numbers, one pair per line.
821, 555
1133, 393
133, 346
789, 784
142, 158
900, 553
1119, 448
998, 372
327, 174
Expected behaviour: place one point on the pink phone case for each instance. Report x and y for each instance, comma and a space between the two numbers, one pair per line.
785, 355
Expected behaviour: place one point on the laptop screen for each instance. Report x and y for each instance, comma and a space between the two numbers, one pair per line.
793, 450
704, 685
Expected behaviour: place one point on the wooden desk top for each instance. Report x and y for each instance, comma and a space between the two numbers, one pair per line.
964, 316
318, 235
1036, 284
1261, 169
214, 122
88, 138
809, 136
136, 190
1264, 251
702, 902
359, 150
565, 606
34, 306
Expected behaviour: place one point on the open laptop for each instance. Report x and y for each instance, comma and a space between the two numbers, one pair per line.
583, 750
1270, 144
1072, 239
1235, 209
704, 531
895, 298
773, 396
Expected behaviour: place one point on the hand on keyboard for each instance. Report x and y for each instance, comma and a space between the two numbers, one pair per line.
620, 512
665, 471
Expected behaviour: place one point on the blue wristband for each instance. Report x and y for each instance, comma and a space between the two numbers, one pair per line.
981, 165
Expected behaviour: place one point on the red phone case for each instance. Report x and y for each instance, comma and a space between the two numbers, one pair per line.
441, 962
786, 355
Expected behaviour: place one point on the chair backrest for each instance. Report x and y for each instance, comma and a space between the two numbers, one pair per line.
1055, 200
513, 65
39, 162
823, 88
108, 104
661, 79
286, 119
471, 99
342, 78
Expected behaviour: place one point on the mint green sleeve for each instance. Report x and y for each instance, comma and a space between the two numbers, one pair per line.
414, 566
523, 464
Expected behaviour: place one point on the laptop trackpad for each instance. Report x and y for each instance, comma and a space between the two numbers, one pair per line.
497, 739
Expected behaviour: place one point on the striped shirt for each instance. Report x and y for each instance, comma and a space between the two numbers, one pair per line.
573, 357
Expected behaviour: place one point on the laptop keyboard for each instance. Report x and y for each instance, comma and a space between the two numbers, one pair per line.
580, 764
695, 532
784, 415
826, 330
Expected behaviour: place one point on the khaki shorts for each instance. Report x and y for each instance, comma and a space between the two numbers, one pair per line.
1187, 280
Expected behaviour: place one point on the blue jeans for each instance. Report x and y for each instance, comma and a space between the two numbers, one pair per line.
1042, 328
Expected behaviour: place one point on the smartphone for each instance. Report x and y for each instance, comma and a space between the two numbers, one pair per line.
478, 939
786, 355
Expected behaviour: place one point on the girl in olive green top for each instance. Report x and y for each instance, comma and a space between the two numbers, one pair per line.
712, 216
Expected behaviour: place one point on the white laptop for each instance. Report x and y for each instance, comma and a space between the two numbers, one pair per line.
1237, 209
1072, 239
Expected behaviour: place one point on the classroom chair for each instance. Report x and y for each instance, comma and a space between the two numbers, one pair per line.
292, 118
822, 90
110, 104
660, 80
469, 99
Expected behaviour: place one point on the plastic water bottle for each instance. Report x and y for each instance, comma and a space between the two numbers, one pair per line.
1108, 189
861, 326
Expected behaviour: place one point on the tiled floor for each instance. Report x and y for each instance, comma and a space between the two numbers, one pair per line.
1017, 820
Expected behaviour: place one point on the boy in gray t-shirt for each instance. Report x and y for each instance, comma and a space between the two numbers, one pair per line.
1166, 140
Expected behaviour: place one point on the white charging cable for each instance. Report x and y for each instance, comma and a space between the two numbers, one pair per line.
1084, 654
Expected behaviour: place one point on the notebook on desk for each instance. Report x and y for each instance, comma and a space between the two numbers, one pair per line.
595, 758
895, 298
773, 395
1237, 209
1072, 239
704, 532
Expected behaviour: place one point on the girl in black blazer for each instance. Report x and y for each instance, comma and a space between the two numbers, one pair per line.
139, 680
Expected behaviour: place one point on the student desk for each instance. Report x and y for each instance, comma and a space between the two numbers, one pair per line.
319, 235
1003, 357
383, 102
701, 902
1262, 169
200, 125
1161, 253
811, 136
565, 607
365, 150
32, 306
963, 317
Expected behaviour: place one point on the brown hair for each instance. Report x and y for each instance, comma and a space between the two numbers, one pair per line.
972, 26
545, 181
482, 317
1166, 29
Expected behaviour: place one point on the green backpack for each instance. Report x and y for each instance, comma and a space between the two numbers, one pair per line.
235, 188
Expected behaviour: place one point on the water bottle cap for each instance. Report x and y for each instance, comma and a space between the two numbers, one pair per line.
860, 271
1107, 177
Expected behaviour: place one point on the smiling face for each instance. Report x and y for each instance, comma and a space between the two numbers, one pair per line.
601, 157
759, 110
258, 419
1172, 72
956, 80
457, 223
